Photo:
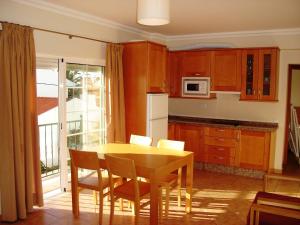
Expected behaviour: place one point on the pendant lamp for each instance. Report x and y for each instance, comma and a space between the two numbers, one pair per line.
153, 12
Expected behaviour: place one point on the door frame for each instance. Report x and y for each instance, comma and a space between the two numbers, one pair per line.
288, 111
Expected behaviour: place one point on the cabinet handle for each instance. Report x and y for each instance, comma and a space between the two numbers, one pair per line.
220, 149
220, 139
254, 91
220, 130
259, 93
219, 157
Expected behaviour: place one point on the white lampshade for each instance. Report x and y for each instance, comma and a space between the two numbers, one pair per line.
153, 12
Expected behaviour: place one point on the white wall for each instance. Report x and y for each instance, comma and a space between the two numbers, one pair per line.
229, 106
59, 45
295, 92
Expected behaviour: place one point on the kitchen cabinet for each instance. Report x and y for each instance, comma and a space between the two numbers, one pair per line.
195, 63
156, 67
171, 131
259, 74
254, 150
192, 135
221, 145
144, 71
174, 78
226, 146
226, 70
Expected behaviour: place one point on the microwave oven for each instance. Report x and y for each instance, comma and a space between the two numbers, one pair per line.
196, 87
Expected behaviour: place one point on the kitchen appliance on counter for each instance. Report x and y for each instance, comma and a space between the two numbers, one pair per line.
196, 87
157, 117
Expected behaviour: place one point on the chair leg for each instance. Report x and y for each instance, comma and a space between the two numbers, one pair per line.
121, 204
129, 205
76, 205
167, 199
136, 212
179, 187
100, 207
95, 196
160, 203
112, 206
133, 208
179, 195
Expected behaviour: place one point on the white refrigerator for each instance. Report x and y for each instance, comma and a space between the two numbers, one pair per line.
157, 117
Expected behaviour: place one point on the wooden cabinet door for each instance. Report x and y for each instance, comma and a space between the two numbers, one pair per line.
174, 79
254, 150
250, 62
171, 131
195, 63
267, 74
226, 70
193, 137
157, 68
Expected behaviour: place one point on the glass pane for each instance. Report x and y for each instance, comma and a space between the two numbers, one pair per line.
85, 107
267, 74
249, 75
48, 123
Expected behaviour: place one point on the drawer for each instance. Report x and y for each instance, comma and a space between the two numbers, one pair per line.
218, 150
219, 141
217, 159
221, 132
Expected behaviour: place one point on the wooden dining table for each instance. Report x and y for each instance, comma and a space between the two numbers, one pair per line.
152, 163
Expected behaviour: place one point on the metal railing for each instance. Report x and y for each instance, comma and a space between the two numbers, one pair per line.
49, 146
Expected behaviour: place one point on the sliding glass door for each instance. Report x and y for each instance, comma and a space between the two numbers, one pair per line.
83, 120
70, 107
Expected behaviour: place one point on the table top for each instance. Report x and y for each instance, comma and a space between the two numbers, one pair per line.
146, 157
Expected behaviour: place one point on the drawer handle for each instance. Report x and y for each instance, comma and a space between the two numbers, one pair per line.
220, 139
220, 130
219, 157
220, 149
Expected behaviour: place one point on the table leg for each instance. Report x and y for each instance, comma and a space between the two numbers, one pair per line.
154, 199
189, 186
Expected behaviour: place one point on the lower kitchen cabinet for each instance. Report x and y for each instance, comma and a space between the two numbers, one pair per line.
221, 145
171, 131
248, 149
254, 150
192, 135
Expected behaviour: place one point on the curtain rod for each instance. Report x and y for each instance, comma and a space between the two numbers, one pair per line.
62, 33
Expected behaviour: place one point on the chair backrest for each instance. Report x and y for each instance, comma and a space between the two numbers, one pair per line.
84, 159
170, 144
122, 167
140, 140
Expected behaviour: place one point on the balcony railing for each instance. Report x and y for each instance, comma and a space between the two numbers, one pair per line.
49, 145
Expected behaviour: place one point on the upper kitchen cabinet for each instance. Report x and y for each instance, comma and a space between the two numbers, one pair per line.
147, 63
174, 79
195, 63
259, 74
226, 70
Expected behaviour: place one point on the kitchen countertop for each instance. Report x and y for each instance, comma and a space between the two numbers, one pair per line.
235, 124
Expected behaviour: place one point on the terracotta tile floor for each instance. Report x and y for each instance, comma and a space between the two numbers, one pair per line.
218, 199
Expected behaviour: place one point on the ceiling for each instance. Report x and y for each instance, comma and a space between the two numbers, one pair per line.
199, 16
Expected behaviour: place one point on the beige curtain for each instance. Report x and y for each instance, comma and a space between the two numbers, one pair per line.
115, 108
20, 176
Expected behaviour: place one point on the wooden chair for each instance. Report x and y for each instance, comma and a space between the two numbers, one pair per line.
132, 190
172, 179
140, 140
90, 161
273, 209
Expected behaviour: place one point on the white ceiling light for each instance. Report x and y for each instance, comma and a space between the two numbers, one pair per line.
153, 12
